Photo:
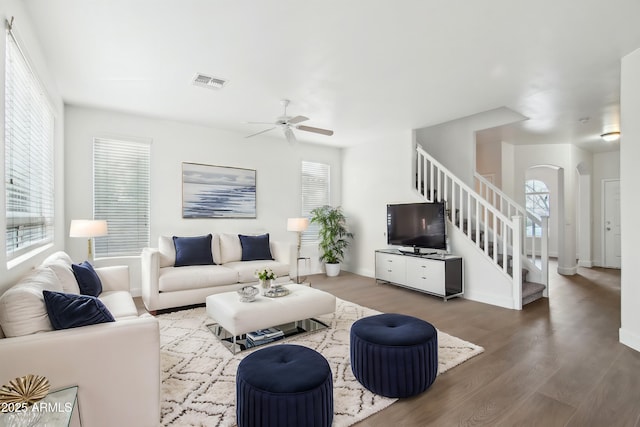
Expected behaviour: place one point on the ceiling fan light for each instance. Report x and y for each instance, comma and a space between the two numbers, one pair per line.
288, 133
610, 136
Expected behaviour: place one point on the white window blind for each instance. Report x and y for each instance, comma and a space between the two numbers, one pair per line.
28, 157
315, 193
121, 195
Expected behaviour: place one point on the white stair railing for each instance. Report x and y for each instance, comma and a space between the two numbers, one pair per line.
538, 266
475, 217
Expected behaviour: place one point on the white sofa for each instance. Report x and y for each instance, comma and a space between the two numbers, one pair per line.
166, 286
115, 365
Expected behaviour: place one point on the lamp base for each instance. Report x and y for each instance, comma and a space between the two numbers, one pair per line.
89, 253
300, 280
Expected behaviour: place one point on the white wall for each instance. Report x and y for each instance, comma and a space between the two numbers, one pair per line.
567, 157
508, 162
630, 202
489, 161
454, 143
23, 29
605, 166
378, 173
277, 165
375, 174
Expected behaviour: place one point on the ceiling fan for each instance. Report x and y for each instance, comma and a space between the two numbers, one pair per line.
288, 123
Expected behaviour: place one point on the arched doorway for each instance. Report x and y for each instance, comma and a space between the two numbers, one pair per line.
561, 234
542, 198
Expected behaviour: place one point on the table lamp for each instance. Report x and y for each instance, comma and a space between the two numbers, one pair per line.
88, 228
298, 225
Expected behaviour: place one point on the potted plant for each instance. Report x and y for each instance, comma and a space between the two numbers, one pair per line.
333, 236
266, 276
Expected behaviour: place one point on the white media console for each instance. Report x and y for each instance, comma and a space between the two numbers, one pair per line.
439, 275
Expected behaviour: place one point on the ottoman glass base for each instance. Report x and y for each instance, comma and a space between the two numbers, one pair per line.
240, 342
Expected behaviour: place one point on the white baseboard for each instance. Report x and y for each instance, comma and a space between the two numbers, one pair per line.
586, 263
630, 339
489, 299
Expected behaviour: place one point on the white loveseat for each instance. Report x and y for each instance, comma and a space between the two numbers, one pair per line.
115, 365
166, 286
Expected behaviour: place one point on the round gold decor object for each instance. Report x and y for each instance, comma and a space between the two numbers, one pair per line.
28, 389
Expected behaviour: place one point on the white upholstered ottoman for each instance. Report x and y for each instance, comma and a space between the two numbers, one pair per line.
241, 317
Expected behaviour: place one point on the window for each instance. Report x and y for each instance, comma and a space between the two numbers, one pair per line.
315, 193
28, 157
121, 195
536, 202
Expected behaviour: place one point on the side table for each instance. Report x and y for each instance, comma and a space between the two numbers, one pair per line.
55, 410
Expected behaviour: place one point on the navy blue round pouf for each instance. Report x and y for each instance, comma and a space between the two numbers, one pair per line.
284, 386
394, 355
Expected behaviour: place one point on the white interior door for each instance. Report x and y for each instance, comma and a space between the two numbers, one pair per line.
611, 226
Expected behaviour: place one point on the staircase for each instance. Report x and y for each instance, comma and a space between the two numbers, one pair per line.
537, 266
492, 224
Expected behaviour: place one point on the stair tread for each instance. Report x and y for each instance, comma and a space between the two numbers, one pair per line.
530, 288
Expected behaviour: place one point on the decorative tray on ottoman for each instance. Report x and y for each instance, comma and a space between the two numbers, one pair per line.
276, 292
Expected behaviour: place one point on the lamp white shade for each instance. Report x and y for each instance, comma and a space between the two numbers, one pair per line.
88, 228
297, 224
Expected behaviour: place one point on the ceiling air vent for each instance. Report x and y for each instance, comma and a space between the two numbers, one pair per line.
209, 82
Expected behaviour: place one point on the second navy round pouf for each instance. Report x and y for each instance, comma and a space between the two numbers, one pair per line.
284, 386
394, 355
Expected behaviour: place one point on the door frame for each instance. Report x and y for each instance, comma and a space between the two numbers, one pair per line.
603, 246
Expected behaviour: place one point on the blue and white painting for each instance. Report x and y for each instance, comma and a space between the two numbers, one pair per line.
218, 192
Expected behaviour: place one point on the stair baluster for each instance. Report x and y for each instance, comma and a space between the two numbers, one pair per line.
506, 205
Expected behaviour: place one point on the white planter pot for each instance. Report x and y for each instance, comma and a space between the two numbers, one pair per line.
332, 269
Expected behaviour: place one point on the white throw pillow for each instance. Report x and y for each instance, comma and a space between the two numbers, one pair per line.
22, 308
65, 276
167, 251
57, 257
230, 248
215, 249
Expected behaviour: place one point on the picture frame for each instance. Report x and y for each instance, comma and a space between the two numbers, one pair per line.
210, 191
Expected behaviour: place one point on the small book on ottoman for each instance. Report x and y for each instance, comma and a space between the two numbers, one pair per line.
262, 334
250, 343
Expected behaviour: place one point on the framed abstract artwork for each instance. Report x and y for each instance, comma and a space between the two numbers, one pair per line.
218, 191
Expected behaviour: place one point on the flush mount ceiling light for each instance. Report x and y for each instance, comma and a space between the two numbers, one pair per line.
610, 136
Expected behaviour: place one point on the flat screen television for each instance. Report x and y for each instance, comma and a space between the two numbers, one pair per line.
418, 225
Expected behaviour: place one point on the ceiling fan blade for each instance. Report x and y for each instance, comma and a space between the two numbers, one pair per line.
315, 130
260, 123
298, 119
288, 133
262, 131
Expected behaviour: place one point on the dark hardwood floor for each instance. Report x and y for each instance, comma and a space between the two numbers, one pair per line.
558, 362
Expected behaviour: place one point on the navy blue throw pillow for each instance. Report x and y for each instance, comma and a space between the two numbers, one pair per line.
193, 250
87, 278
71, 311
255, 247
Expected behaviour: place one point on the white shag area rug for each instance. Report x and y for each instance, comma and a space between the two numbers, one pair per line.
198, 372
